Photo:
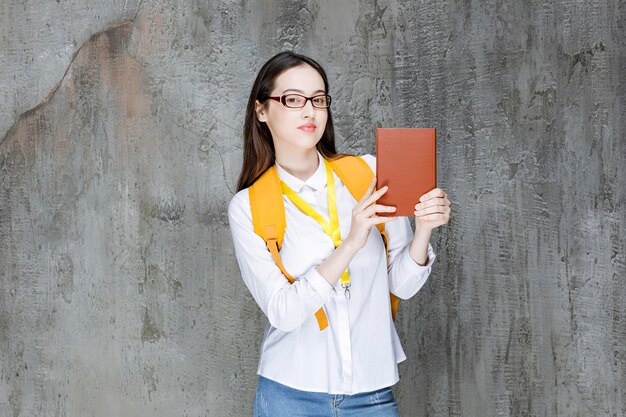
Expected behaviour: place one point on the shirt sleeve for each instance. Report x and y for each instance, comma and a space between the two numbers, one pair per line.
406, 276
286, 305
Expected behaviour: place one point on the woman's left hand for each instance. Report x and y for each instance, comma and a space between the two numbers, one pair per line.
433, 210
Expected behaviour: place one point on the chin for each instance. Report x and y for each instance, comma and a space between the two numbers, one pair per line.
307, 142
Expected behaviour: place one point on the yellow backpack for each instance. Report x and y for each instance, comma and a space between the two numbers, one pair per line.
268, 211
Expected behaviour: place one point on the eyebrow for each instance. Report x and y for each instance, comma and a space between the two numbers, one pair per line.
302, 92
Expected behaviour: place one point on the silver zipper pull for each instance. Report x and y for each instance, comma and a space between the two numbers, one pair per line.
346, 290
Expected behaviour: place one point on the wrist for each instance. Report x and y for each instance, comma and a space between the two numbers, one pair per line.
418, 249
349, 247
422, 231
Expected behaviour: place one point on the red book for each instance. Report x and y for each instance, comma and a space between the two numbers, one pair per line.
406, 162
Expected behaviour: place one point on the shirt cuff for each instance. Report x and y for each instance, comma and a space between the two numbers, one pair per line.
408, 276
410, 262
319, 283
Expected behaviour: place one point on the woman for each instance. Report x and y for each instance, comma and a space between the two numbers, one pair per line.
347, 368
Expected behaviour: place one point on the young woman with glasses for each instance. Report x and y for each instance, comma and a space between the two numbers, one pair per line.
348, 368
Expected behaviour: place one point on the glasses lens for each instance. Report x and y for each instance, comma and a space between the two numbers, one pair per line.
294, 100
321, 102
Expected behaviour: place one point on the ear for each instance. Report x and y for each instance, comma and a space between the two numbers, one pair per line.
261, 113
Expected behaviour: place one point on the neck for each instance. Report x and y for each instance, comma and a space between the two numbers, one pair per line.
299, 164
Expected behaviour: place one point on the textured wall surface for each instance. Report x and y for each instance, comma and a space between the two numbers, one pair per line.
119, 150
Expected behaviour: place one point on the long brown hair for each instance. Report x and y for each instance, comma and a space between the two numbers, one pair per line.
258, 147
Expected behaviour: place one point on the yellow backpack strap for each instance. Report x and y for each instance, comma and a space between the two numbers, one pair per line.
268, 218
356, 175
268, 209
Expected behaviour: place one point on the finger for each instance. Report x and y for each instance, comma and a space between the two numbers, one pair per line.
378, 208
432, 210
433, 202
372, 186
375, 196
437, 192
436, 217
374, 220
369, 191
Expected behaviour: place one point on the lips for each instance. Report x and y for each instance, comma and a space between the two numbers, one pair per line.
309, 127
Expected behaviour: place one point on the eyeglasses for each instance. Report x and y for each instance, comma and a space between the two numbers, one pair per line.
297, 101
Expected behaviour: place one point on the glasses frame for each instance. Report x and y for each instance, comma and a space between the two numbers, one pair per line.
283, 101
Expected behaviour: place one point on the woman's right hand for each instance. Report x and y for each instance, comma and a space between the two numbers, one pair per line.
364, 216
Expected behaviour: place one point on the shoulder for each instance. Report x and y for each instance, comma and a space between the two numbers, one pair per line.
239, 206
371, 161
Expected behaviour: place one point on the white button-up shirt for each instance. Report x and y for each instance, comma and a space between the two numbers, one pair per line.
360, 349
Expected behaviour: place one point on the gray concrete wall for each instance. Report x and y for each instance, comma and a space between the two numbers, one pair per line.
119, 150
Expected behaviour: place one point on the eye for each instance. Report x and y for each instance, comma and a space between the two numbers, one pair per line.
320, 100
293, 99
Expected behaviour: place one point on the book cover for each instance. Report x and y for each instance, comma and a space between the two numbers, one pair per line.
406, 162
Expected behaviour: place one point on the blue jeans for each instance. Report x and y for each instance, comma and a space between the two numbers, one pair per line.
278, 400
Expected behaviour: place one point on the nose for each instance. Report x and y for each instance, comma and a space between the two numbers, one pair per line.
308, 109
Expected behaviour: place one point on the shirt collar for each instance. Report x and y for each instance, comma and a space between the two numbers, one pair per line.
317, 181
